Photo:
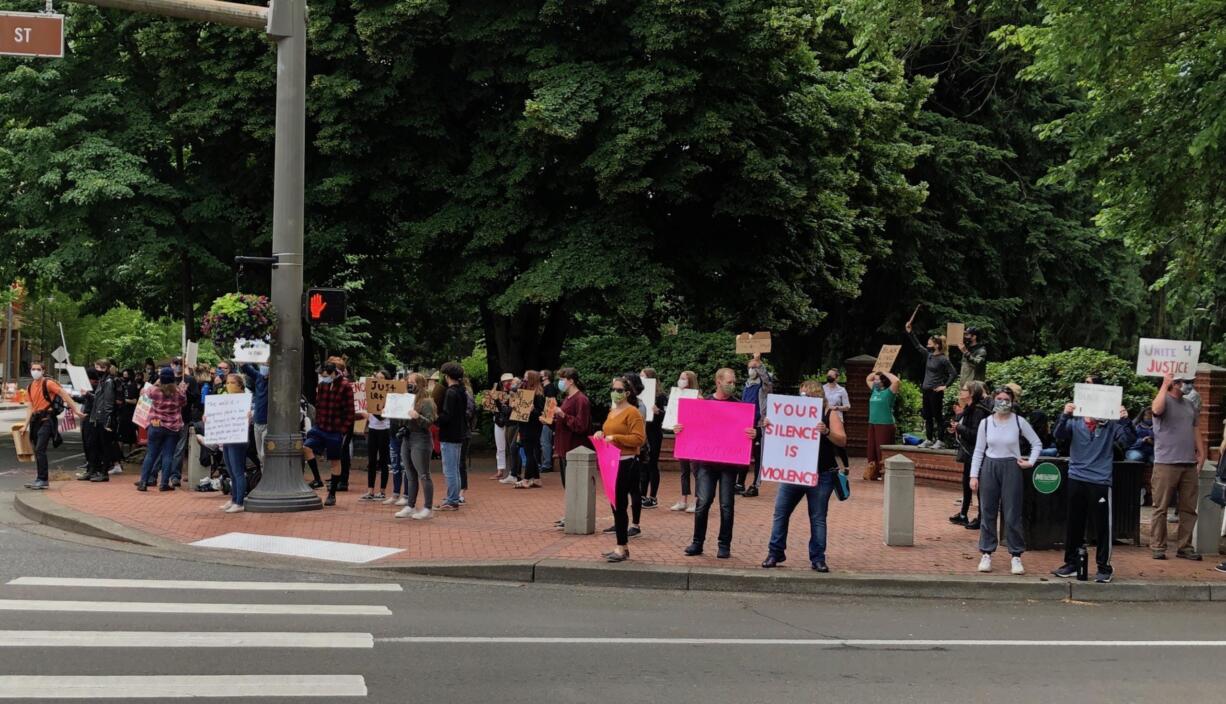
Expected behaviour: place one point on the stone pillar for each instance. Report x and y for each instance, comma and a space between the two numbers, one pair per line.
855, 421
581, 471
1208, 531
899, 508
1211, 385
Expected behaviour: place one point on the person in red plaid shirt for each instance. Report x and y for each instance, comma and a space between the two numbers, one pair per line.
333, 417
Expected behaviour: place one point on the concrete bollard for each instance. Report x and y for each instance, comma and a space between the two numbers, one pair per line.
581, 471
1208, 531
898, 511
194, 471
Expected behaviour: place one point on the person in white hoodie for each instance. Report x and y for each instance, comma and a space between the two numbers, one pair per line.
997, 473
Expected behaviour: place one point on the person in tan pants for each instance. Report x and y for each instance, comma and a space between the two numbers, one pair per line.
1178, 452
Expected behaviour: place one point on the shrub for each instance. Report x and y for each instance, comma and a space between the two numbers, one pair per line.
907, 408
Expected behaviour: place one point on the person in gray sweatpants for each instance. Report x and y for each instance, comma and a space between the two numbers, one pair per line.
997, 472
415, 452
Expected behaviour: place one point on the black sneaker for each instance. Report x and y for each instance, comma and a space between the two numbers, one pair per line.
316, 484
1065, 571
649, 502
634, 531
738, 489
330, 500
343, 486
959, 519
973, 525
167, 487
1188, 554
610, 529
103, 477
724, 552
1220, 568
693, 549
1103, 577
751, 491
820, 566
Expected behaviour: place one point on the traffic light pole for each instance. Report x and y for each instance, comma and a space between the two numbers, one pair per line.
281, 489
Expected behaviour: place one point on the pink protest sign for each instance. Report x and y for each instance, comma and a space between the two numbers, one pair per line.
714, 431
608, 459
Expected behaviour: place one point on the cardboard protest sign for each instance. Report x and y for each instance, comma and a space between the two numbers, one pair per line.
1098, 401
759, 342
225, 418
649, 398
954, 333
521, 405
886, 358
790, 448
674, 397
492, 398
398, 405
80, 380
714, 431
1161, 357
377, 391
248, 351
551, 408
608, 460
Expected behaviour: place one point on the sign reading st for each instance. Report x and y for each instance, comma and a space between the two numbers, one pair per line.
31, 34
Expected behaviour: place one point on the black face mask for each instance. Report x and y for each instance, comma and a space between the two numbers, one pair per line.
832, 379
412, 388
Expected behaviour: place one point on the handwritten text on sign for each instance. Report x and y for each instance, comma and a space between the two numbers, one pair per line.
714, 431
790, 448
225, 418
377, 391
1097, 401
1162, 357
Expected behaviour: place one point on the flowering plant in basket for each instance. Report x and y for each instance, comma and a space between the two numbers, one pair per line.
240, 316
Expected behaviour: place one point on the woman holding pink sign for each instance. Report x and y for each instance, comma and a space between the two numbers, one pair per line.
624, 429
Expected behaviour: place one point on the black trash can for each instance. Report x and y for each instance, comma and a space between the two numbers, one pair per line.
1044, 515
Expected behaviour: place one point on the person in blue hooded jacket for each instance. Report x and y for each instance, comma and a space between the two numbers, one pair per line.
1091, 464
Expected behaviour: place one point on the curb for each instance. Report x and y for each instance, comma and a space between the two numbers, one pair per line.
41, 509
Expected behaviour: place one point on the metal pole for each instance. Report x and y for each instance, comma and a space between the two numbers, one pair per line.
8, 344
281, 489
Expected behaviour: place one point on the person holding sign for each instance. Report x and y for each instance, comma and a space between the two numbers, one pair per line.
687, 381
235, 455
832, 435
758, 385
1090, 471
881, 431
975, 408
378, 451
44, 396
415, 450
939, 373
1179, 452
165, 422
625, 430
974, 356
530, 431
713, 476
998, 458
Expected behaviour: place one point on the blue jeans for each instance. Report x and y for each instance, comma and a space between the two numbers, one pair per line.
451, 471
159, 455
1049, 452
1136, 456
236, 465
394, 456
546, 447
818, 501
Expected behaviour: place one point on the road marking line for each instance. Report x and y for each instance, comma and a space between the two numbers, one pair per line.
181, 686
817, 642
189, 585
182, 639
151, 607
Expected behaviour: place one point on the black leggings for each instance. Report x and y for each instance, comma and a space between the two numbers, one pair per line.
532, 448
932, 413
649, 476
378, 457
755, 461
628, 496
966, 486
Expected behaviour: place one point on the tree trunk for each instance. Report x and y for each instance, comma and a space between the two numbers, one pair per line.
519, 342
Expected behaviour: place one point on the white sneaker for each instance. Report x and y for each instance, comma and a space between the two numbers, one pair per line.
985, 563
406, 512
402, 501
236, 508
423, 514
679, 506
226, 506
926, 445
391, 500
1016, 566
117, 469
693, 508
938, 445
508, 480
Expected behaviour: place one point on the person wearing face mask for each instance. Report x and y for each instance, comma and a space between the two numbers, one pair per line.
235, 455
687, 380
758, 385
974, 356
997, 473
40, 424
453, 426
572, 421
97, 434
128, 395
649, 478
193, 410
501, 415
378, 447
881, 431
939, 373
257, 381
530, 432
625, 430
839, 402
974, 408
415, 451
342, 484
1179, 452
510, 429
550, 390
333, 418
714, 477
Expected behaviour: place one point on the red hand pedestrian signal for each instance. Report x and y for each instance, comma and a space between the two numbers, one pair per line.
317, 306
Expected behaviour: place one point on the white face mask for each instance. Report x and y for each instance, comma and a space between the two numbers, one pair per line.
36, 373
753, 372
683, 383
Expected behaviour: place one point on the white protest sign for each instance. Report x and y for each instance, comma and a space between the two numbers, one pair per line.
225, 418
144, 407
359, 396
1161, 357
674, 399
649, 398
80, 379
398, 405
251, 351
1097, 401
191, 355
790, 448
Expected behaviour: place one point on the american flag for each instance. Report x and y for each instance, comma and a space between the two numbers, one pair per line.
68, 421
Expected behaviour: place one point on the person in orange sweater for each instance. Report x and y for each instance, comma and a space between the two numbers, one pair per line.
624, 428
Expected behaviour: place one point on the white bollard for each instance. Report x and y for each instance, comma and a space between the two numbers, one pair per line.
581, 471
898, 511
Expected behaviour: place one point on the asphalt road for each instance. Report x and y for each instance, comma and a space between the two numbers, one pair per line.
451, 641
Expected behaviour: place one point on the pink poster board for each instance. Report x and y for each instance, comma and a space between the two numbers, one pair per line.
714, 431
608, 459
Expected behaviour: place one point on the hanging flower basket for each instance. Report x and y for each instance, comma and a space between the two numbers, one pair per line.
240, 316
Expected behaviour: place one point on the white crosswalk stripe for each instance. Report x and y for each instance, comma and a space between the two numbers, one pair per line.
179, 605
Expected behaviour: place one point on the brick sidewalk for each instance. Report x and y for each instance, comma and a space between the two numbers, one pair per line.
501, 523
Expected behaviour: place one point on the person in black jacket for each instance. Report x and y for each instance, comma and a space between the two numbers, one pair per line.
649, 480
939, 373
972, 398
453, 428
99, 432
